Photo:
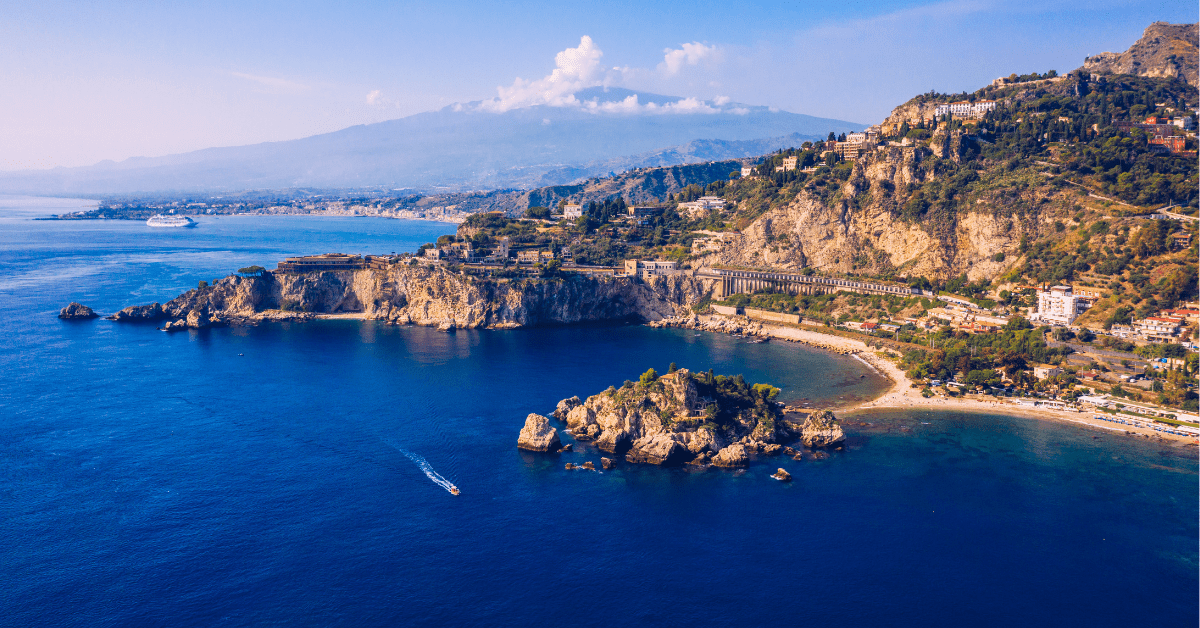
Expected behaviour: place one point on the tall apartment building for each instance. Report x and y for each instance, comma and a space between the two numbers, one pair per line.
1060, 305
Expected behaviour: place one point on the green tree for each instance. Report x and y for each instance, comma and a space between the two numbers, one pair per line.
649, 377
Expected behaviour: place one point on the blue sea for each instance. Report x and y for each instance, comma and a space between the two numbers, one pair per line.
288, 474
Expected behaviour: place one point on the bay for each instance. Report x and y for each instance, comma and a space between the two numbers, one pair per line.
271, 474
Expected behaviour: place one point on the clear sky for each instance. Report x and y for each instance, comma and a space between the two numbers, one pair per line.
88, 81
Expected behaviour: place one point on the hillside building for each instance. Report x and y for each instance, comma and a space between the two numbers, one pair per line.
327, 261
643, 212
1158, 328
1060, 305
964, 109
1046, 371
747, 171
701, 206
571, 211
647, 269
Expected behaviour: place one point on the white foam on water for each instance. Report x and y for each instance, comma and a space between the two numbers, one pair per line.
869, 365
425, 467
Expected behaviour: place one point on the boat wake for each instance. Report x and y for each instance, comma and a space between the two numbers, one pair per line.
428, 470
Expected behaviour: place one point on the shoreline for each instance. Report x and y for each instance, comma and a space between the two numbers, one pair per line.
902, 394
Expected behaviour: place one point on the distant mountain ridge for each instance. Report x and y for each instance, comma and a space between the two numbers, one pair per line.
463, 146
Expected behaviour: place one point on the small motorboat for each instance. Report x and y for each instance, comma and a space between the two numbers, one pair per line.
453, 490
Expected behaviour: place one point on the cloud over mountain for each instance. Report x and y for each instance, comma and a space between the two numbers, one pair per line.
580, 68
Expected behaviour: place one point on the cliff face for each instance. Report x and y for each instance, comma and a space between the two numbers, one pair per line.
431, 295
1165, 50
863, 228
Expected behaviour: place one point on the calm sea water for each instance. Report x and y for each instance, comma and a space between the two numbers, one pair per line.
276, 475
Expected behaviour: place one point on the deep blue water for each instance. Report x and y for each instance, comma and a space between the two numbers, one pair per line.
258, 476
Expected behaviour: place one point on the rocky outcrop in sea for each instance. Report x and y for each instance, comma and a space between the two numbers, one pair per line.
425, 295
76, 311
688, 418
821, 429
537, 435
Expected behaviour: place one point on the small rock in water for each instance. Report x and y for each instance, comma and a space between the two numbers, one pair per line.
76, 311
537, 435
566, 448
589, 466
606, 463
782, 476
570, 466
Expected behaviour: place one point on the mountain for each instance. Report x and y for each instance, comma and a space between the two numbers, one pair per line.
1165, 50
464, 146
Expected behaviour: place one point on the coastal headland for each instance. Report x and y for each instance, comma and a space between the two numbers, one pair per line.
427, 295
437, 296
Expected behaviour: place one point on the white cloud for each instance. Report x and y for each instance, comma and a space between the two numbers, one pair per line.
373, 97
580, 68
575, 69
689, 54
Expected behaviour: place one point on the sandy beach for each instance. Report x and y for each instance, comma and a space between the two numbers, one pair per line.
902, 394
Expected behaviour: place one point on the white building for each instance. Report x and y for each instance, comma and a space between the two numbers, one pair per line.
747, 171
1046, 371
501, 251
572, 211
965, 109
647, 269
701, 206
1158, 328
1060, 306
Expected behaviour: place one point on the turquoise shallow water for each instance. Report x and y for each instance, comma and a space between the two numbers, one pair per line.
154, 479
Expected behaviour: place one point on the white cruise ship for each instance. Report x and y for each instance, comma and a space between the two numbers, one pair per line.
159, 220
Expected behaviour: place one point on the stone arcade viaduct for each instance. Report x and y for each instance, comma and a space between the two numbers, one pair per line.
735, 281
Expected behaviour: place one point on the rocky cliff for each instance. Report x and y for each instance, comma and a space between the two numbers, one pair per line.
425, 295
1165, 50
863, 227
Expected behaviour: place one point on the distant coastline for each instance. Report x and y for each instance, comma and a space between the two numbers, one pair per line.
145, 214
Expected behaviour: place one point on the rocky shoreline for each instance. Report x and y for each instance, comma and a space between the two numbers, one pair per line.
419, 294
681, 418
741, 326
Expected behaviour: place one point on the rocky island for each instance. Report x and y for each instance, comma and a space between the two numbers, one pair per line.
684, 418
